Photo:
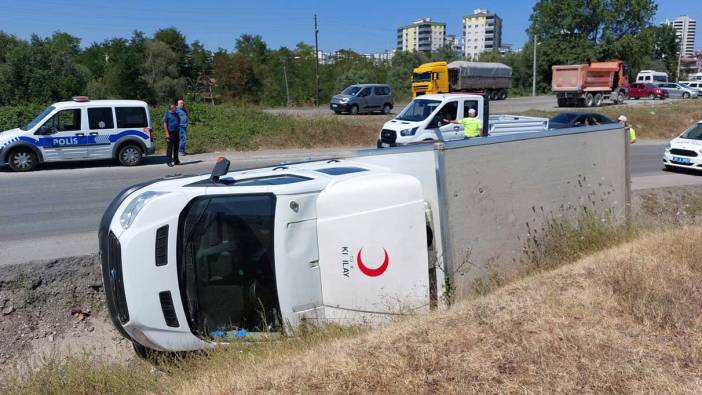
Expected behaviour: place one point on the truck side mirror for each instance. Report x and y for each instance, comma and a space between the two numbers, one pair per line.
221, 168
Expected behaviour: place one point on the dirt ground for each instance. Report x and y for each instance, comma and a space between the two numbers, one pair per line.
56, 308
36, 319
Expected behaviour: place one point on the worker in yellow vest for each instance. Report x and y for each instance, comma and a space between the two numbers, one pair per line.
472, 126
632, 132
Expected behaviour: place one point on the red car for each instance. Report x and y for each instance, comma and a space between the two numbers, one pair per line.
649, 91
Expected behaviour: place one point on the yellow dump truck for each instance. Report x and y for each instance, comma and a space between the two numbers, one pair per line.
491, 79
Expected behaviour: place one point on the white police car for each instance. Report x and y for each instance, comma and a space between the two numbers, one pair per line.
81, 129
685, 151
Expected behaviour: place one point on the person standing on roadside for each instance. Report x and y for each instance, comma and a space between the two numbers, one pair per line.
171, 126
183, 114
632, 132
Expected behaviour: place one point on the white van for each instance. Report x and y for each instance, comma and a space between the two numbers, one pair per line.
427, 119
81, 129
651, 76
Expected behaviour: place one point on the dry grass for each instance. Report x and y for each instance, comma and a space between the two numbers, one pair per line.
325, 131
659, 120
624, 320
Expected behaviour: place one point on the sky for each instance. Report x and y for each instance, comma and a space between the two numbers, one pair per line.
361, 25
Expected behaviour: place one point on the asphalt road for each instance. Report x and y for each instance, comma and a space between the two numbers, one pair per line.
511, 105
54, 212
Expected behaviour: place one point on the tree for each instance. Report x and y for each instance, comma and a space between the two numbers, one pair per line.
251, 47
235, 77
177, 43
161, 71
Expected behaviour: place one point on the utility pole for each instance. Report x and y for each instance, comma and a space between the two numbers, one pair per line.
287, 90
316, 65
533, 77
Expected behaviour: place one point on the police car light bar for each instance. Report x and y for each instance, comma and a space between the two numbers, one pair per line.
81, 99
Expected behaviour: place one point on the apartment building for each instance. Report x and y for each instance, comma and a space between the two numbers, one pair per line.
482, 32
685, 29
422, 35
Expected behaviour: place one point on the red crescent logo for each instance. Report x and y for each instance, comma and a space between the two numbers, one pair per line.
372, 272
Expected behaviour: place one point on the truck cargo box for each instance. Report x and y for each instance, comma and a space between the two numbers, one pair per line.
465, 76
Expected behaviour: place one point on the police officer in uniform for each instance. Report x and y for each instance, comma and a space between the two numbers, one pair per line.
632, 132
472, 126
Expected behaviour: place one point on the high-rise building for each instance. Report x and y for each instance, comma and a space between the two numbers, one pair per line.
685, 29
423, 35
482, 32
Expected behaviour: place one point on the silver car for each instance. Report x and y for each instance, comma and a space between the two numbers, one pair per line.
678, 91
694, 86
363, 98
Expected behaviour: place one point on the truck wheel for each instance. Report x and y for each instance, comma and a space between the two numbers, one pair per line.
22, 159
354, 110
494, 95
621, 97
598, 100
502, 95
130, 155
589, 100
386, 109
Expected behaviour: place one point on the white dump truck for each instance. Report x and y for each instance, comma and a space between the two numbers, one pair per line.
427, 119
191, 262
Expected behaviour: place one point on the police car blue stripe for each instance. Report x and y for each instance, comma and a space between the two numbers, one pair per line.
50, 142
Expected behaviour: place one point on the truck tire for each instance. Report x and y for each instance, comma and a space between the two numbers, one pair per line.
22, 159
494, 95
589, 100
621, 97
598, 100
502, 95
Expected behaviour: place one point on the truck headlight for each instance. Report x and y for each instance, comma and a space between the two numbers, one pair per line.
409, 132
135, 206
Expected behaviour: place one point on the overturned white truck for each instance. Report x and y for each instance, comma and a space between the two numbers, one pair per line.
192, 262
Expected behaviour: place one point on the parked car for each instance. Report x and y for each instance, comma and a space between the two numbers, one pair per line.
693, 85
363, 98
649, 91
678, 91
685, 151
575, 119
78, 130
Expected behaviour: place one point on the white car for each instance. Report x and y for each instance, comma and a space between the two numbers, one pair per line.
685, 151
427, 117
81, 129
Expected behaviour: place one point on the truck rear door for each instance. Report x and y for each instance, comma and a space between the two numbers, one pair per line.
373, 257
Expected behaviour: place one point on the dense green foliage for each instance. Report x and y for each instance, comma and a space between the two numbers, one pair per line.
166, 66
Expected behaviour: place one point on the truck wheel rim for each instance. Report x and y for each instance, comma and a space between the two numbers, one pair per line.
130, 155
22, 160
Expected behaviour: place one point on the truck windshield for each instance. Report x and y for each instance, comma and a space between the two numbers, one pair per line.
421, 77
38, 119
418, 110
694, 133
351, 90
226, 265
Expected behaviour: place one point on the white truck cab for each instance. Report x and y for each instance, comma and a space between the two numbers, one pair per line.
427, 118
191, 262
81, 129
